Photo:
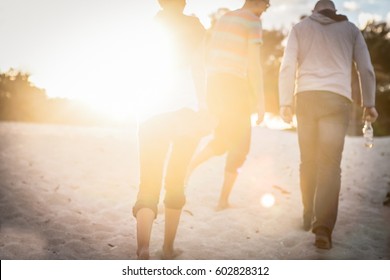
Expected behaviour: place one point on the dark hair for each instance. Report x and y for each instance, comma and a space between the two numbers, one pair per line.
165, 3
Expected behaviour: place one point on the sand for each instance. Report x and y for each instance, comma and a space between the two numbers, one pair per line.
66, 192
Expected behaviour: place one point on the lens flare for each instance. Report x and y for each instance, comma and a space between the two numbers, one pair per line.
267, 200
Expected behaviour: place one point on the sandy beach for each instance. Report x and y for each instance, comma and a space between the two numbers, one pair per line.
67, 192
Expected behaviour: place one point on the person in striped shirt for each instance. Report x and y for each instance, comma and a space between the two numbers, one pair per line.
234, 89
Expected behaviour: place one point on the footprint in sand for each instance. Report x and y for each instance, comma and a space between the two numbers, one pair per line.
289, 242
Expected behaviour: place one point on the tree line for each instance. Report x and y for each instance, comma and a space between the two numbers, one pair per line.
20, 100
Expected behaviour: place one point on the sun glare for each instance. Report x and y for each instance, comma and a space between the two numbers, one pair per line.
162, 83
153, 69
113, 110
267, 200
119, 78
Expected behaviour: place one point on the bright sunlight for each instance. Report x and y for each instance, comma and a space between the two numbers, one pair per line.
267, 200
123, 76
158, 79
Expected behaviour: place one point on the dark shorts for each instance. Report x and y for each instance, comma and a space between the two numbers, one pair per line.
229, 99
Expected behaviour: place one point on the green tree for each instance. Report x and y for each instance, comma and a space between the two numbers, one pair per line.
272, 53
377, 36
20, 100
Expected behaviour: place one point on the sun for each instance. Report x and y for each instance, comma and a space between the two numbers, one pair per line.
154, 71
120, 77
143, 80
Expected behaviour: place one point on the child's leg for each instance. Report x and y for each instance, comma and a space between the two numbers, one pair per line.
152, 152
172, 219
239, 145
216, 147
182, 151
228, 182
200, 158
145, 218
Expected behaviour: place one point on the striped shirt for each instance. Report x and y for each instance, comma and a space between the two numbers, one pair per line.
228, 46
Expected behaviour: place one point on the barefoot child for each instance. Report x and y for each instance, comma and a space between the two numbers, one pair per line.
167, 139
172, 135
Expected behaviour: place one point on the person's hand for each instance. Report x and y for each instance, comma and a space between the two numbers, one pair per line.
286, 114
370, 114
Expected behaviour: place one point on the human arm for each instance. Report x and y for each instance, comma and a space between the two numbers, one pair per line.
198, 61
199, 76
287, 75
367, 78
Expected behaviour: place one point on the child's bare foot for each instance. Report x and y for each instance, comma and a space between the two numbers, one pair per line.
222, 205
143, 254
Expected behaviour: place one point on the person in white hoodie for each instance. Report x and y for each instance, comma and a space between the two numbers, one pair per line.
316, 70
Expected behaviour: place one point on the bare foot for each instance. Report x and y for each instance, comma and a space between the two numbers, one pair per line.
170, 253
222, 205
143, 254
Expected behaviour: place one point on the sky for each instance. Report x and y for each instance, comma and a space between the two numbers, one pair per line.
88, 49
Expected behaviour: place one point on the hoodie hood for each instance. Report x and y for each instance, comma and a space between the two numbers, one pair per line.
327, 17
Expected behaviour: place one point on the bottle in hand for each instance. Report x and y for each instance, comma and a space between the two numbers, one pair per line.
368, 134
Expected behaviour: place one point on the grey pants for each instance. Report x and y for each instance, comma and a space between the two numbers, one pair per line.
322, 125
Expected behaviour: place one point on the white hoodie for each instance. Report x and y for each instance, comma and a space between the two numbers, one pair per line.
319, 56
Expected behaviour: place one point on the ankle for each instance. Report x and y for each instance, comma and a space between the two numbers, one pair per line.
321, 230
143, 253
